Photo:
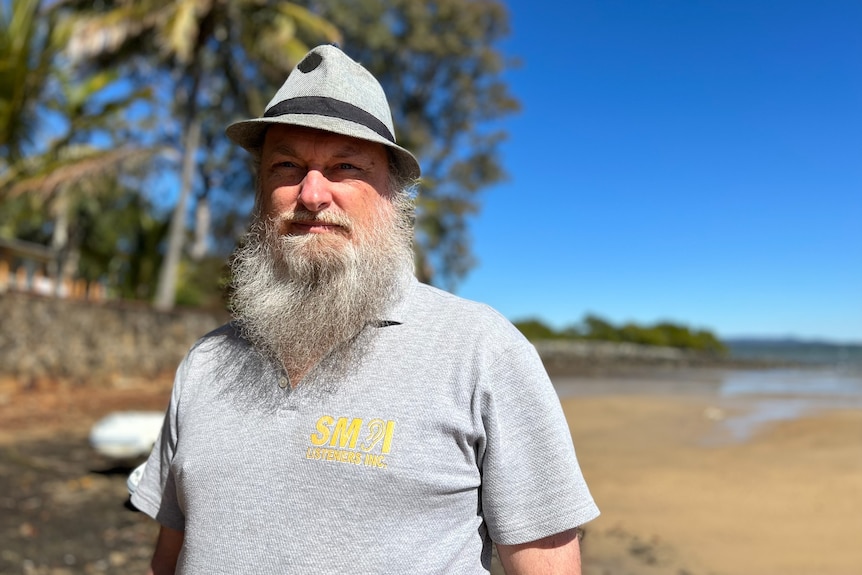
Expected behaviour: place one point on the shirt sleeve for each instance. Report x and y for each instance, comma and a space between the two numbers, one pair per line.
156, 494
532, 485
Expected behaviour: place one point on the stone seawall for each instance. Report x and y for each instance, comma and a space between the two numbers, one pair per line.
45, 338
562, 357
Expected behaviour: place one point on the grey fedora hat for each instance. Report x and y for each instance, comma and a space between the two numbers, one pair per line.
329, 91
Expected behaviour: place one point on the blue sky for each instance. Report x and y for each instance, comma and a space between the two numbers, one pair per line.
692, 161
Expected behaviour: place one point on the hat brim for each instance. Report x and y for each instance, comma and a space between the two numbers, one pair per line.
250, 133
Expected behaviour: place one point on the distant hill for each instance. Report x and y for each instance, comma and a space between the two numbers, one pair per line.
795, 351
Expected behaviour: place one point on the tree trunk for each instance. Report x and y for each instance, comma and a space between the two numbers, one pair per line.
59, 268
203, 223
166, 290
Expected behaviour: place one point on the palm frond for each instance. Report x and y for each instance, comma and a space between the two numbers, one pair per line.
44, 177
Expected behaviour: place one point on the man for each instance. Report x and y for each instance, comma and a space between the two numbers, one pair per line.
351, 419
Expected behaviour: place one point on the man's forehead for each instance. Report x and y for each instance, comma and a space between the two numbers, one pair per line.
294, 140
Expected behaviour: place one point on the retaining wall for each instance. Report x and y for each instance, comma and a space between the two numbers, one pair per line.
91, 342
87, 342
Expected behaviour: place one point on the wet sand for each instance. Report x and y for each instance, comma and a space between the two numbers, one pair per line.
681, 493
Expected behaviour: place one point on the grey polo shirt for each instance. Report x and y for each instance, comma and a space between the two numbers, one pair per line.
448, 435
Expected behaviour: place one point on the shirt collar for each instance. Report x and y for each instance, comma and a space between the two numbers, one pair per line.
396, 312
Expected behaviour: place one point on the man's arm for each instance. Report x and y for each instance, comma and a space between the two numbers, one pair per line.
168, 547
558, 554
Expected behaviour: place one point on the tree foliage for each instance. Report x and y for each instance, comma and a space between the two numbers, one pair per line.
440, 66
594, 328
535, 330
61, 139
194, 66
213, 56
27, 50
49, 116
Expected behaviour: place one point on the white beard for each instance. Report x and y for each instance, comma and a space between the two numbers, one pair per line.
304, 299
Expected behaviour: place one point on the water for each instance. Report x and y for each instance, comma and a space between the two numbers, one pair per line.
769, 396
805, 382
744, 401
842, 356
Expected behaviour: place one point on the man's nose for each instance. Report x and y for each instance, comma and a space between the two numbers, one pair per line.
314, 192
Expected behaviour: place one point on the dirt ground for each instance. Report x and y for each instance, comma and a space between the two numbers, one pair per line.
677, 497
62, 508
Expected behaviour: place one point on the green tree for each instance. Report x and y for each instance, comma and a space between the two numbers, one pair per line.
116, 238
536, 330
35, 85
218, 61
592, 327
49, 117
599, 329
707, 341
214, 56
440, 66
27, 48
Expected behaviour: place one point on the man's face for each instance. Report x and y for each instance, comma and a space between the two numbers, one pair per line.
322, 185
328, 252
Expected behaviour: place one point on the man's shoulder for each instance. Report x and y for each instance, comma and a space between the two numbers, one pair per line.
222, 341
429, 297
432, 305
223, 354
225, 334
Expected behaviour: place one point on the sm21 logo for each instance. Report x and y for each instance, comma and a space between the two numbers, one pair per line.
351, 440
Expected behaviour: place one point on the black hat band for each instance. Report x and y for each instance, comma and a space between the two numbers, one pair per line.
323, 106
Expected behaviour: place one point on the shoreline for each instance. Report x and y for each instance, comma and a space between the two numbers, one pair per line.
740, 400
679, 493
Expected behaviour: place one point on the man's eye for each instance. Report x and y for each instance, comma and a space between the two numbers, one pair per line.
346, 166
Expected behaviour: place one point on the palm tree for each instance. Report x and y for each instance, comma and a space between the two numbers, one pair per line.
57, 168
217, 55
28, 46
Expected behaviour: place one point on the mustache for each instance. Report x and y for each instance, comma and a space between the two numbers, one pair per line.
306, 217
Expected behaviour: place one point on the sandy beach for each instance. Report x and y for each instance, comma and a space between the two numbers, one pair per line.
689, 483
682, 493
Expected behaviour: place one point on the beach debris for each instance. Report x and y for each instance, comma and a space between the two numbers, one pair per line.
126, 435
